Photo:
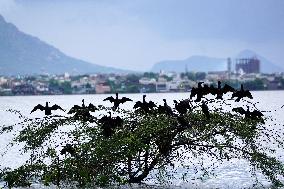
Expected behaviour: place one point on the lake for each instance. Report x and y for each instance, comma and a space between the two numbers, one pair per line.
230, 174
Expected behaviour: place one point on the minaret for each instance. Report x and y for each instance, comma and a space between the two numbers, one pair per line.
229, 64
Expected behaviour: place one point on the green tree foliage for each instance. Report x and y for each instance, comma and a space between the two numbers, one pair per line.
256, 84
151, 75
143, 143
132, 83
200, 75
113, 86
168, 78
282, 83
189, 75
64, 87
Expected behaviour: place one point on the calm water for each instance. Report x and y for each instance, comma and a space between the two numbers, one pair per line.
232, 174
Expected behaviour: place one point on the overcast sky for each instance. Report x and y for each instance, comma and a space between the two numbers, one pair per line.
134, 34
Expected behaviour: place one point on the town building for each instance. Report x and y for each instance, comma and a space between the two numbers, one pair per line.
102, 88
248, 65
161, 85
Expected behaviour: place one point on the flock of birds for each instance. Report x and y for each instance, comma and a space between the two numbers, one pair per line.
109, 123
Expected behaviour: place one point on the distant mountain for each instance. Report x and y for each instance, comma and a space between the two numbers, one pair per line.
23, 54
266, 66
193, 63
206, 64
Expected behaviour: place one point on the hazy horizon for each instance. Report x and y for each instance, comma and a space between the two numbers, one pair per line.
135, 34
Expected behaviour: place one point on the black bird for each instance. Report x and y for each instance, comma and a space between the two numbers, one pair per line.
183, 106
164, 145
219, 91
109, 124
47, 110
199, 92
241, 94
68, 148
255, 115
194, 90
83, 112
205, 110
76, 108
183, 122
165, 109
206, 90
116, 101
145, 106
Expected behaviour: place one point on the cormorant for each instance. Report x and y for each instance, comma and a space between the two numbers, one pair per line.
76, 108
116, 101
205, 110
255, 115
47, 110
183, 106
219, 91
197, 91
165, 109
83, 112
241, 94
109, 124
145, 106
68, 148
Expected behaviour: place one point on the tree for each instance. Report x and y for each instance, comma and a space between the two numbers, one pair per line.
66, 87
142, 143
132, 79
189, 75
200, 75
256, 84
151, 75
167, 78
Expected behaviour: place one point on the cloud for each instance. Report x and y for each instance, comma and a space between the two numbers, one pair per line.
136, 34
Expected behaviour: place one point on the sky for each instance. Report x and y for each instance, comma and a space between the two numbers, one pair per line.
135, 34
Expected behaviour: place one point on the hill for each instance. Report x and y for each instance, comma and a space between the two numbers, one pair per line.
266, 66
194, 63
206, 64
23, 54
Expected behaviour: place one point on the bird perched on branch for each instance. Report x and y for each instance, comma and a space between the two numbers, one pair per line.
199, 92
109, 124
47, 109
205, 110
206, 89
241, 94
219, 91
145, 106
165, 109
68, 148
83, 112
76, 108
116, 101
182, 106
255, 115
183, 122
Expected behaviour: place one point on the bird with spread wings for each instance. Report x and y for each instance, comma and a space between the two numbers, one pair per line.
83, 112
117, 101
241, 94
255, 114
47, 109
145, 106
219, 91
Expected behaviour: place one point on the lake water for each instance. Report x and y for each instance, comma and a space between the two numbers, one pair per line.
230, 174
